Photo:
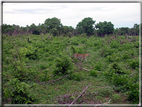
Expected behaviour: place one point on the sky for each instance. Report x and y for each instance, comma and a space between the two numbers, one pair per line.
119, 14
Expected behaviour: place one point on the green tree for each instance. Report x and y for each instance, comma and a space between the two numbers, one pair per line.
104, 28
86, 26
124, 30
53, 23
136, 29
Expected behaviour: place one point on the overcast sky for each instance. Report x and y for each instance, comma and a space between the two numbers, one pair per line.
120, 14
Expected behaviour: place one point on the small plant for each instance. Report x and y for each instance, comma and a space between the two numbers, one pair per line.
62, 66
119, 80
134, 93
93, 73
134, 63
115, 97
98, 66
75, 77
136, 44
114, 44
126, 56
105, 51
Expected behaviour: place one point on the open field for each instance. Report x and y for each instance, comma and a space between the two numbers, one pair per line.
34, 70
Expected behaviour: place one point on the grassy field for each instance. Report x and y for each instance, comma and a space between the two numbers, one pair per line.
112, 69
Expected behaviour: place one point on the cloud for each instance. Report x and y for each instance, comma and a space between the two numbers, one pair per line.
120, 14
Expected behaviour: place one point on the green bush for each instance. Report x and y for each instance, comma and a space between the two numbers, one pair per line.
75, 77
119, 80
113, 70
105, 51
98, 66
114, 44
126, 56
115, 57
133, 94
93, 73
18, 92
42, 66
134, 63
74, 42
136, 44
62, 65
44, 76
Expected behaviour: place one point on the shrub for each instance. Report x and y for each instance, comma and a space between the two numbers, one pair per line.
133, 94
126, 56
114, 44
93, 73
62, 65
18, 92
113, 69
136, 44
113, 58
44, 76
134, 63
75, 77
98, 66
115, 97
106, 51
119, 80
42, 66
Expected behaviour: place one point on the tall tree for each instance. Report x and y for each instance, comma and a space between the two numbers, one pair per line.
53, 23
86, 26
104, 28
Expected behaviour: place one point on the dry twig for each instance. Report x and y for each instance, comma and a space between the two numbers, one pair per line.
80, 94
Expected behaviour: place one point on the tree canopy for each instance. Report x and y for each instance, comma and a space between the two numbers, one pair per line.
86, 26
104, 28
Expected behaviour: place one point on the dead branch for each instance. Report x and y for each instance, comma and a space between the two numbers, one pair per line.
132, 74
132, 55
87, 66
54, 80
80, 94
94, 97
80, 67
107, 102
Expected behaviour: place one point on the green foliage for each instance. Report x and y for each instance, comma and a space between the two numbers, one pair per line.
115, 97
62, 65
93, 73
105, 51
114, 70
114, 44
104, 28
114, 57
118, 80
53, 24
136, 44
45, 60
134, 63
105, 92
134, 93
55, 32
18, 92
98, 66
44, 76
75, 77
126, 55
86, 26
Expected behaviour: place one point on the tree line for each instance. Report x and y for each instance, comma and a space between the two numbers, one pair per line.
86, 26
